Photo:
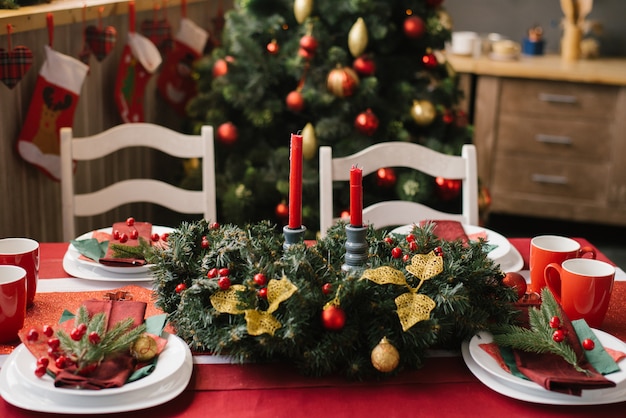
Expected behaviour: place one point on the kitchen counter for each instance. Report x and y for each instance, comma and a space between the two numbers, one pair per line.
611, 71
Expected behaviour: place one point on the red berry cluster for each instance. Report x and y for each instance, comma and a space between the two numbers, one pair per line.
223, 281
397, 252
261, 280
560, 334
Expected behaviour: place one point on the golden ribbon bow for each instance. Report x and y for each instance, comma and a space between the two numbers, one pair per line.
259, 322
412, 306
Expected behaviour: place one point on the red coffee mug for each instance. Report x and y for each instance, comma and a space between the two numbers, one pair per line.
582, 287
23, 252
546, 249
12, 302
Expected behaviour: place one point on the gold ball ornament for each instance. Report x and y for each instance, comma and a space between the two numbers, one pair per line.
423, 112
342, 81
309, 142
358, 38
302, 9
144, 348
385, 357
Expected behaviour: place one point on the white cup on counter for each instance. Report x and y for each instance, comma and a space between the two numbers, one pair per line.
466, 43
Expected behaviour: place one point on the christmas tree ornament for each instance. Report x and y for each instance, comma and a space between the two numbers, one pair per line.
159, 31
282, 211
386, 177
385, 357
309, 142
342, 81
448, 117
309, 44
364, 66
430, 60
220, 68
414, 186
273, 47
447, 189
414, 27
295, 101
175, 83
333, 318
366, 122
144, 348
302, 10
52, 107
227, 133
358, 38
14, 62
445, 19
101, 40
140, 59
434, 3
423, 112
517, 282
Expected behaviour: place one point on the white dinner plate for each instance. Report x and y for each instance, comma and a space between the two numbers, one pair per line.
488, 371
20, 387
501, 244
91, 270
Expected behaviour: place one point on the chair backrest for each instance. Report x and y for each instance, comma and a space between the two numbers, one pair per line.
400, 154
136, 190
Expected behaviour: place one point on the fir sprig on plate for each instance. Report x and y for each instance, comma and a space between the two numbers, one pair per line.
141, 251
545, 334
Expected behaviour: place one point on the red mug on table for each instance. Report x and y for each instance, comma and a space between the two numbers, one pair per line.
546, 249
12, 302
23, 252
583, 287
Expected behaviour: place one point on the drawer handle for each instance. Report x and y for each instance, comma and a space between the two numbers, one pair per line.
549, 179
553, 139
557, 98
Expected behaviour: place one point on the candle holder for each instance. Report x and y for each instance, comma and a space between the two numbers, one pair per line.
293, 236
356, 248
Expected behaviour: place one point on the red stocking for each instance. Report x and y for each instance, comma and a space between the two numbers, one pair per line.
140, 59
175, 83
52, 107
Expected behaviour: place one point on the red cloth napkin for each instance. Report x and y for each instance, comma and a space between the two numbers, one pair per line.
114, 371
447, 230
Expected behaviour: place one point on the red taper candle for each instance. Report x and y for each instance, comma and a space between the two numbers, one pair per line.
356, 196
295, 182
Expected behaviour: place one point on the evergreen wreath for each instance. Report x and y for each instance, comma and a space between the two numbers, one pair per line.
467, 296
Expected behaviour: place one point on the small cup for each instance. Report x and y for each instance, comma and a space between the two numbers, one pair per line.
583, 287
12, 302
546, 249
463, 43
23, 252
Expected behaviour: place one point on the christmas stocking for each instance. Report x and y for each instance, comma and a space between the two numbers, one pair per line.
51, 108
175, 83
140, 59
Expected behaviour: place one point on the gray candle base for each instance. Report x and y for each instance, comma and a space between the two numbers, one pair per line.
356, 248
293, 236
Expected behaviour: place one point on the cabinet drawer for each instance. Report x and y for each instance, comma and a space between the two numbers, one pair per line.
550, 178
554, 98
562, 139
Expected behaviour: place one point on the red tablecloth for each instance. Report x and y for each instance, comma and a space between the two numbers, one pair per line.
443, 388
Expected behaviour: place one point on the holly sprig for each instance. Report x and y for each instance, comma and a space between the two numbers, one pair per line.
545, 334
89, 342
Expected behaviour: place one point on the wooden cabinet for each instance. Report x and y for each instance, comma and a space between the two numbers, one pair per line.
552, 148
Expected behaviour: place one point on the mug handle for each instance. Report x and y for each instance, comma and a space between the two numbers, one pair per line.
587, 250
553, 281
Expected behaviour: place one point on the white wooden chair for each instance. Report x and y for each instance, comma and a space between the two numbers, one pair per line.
400, 154
135, 190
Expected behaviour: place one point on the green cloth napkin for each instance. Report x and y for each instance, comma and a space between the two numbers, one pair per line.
91, 248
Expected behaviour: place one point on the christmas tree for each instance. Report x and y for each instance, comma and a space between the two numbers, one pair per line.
346, 74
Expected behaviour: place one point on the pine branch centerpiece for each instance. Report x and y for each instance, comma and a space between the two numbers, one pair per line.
236, 291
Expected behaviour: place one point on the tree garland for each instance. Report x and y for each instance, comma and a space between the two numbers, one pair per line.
467, 293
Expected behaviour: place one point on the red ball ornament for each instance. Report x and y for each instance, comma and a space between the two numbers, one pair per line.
333, 318
364, 66
227, 133
414, 27
295, 101
448, 117
273, 47
342, 81
518, 282
220, 68
447, 189
366, 122
386, 177
282, 211
430, 61
308, 43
